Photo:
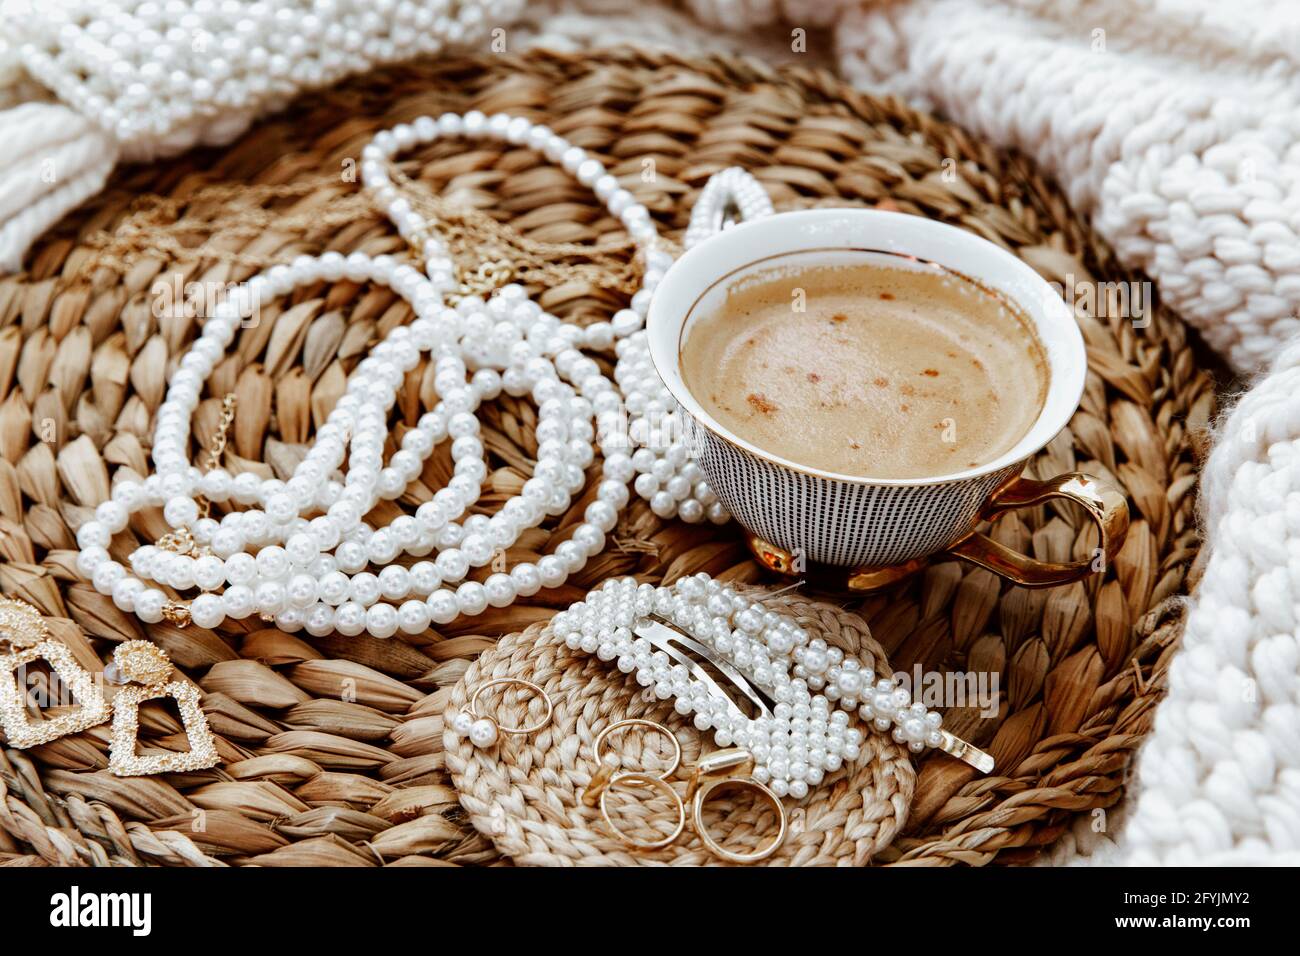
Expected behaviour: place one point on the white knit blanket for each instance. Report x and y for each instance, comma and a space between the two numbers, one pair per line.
1174, 124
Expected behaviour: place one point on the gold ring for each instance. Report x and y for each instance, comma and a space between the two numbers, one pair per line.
498, 681
708, 787
604, 735
642, 780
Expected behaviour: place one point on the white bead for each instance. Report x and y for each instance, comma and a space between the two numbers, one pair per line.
334, 588
364, 589
226, 542
350, 619
462, 723
302, 548
125, 592
394, 582
281, 508
471, 598
499, 590
272, 562
128, 494
106, 575
238, 601
424, 577
241, 568
301, 591
112, 515
381, 620
319, 620
93, 534
181, 512
215, 485
551, 571
483, 732
526, 578
442, 606
207, 610
452, 564
149, 604
270, 597
413, 617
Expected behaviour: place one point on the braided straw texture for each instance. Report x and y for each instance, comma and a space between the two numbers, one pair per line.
524, 794
333, 749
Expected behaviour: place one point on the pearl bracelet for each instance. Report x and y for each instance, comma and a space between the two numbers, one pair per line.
804, 736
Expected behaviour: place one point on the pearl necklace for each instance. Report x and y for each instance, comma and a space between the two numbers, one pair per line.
309, 572
665, 475
805, 737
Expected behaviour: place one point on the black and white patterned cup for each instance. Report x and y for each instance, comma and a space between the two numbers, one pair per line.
878, 529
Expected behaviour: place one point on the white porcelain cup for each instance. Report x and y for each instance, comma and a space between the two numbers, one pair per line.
877, 529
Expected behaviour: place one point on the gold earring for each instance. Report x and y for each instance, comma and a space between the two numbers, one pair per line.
148, 665
23, 628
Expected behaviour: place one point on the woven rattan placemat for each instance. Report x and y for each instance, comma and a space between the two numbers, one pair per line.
524, 794
333, 748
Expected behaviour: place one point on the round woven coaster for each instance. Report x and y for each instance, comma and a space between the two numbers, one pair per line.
524, 793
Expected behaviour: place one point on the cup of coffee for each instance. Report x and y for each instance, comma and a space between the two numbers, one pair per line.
862, 388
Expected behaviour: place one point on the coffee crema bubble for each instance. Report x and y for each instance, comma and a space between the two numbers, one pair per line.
868, 371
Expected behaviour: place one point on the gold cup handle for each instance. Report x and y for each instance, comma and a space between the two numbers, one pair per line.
1100, 499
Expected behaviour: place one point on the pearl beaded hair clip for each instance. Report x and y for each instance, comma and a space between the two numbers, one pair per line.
805, 735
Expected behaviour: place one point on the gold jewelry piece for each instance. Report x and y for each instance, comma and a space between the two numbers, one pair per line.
636, 779
23, 628
729, 769
470, 234
148, 665
670, 638
485, 731
722, 769
604, 735
608, 776
181, 541
610, 765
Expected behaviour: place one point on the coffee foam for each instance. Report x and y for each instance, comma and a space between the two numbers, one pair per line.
868, 371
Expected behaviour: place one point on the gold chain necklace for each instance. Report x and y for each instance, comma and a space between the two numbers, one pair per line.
506, 255
181, 541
